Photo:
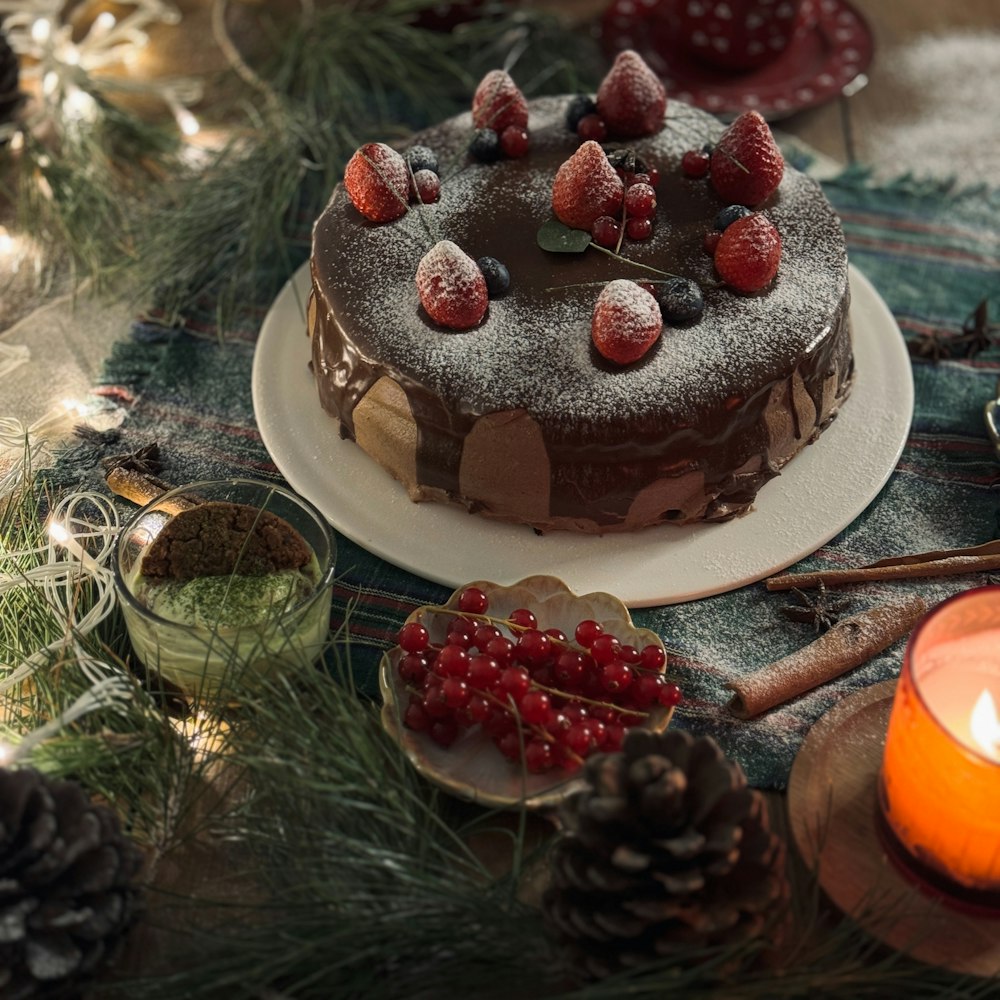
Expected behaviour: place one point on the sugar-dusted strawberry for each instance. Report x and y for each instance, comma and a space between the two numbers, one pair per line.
378, 182
631, 100
626, 321
498, 103
748, 253
451, 287
586, 187
747, 165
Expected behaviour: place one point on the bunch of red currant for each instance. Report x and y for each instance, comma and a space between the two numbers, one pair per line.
554, 698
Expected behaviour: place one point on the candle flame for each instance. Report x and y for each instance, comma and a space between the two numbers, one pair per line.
985, 724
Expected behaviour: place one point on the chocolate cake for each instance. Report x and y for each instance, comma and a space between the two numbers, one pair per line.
520, 418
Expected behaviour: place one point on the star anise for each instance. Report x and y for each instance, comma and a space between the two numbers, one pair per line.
820, 609
145, 460
976, 336
934, 344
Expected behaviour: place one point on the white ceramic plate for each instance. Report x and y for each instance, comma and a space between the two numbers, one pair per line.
820, 492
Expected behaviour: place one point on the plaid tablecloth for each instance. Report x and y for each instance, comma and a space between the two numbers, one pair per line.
933, 253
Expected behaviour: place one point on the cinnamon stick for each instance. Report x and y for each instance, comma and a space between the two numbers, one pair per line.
142, 488
848, 644
946, 562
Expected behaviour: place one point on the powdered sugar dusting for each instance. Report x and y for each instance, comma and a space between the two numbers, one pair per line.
533, 349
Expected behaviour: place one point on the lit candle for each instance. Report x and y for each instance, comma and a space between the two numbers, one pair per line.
940, 782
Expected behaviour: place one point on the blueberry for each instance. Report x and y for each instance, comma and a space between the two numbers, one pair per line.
681, 301
485, 145
729, 215
578, 107
496, 274
422, 158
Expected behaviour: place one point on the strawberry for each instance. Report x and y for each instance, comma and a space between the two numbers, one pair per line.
631, 100
746, 163
586, 187
498, 103
452, 289
748, 253
626, 321
378, 182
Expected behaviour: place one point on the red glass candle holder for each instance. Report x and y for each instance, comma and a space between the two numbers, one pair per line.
939, 786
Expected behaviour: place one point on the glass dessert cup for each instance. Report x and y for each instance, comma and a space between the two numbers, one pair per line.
212, 635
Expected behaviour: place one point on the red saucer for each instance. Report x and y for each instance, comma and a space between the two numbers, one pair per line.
824, 62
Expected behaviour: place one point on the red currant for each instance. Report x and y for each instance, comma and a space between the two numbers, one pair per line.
577, 738
461, 633
640, 178
569, 669
455, 691
695, 163
425, 187
416, 718
473, 601
453, 661
587, 631
500, 649
556, 633
509, 744
639, 229
434, 703
535, 707
443, 732
711, 241
606, 231
414, 637
533, 647
592, 127
670, 695
477, 709
616, 676
645, 690
538, 756
515, 681
654, 176
484, 672
640, 201
523, 618
605, 648
653, 657
514, 141
556, 724
483, 634
629, 654
413, 667
614, 736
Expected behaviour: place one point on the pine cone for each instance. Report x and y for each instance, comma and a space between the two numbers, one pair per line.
66, 896
10, 96
664, 852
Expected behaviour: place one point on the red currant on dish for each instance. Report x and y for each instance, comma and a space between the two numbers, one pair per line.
616, 676
484, 672
515, 681
605, 648
587, 631
538, 756
414, 637
670, 695
473, 601
533, 647
535, 707
652, 657
452, 661
456, 692
523, 618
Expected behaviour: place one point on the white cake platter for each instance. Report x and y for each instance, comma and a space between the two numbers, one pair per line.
817, 495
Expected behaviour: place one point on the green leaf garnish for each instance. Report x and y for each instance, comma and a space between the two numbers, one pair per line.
556, 237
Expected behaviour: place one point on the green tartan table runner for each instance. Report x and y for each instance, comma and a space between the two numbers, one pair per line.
932, 253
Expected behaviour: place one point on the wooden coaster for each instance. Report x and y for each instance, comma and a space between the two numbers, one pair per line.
832, 809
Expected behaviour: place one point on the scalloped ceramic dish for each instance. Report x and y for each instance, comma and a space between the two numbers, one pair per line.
472, 767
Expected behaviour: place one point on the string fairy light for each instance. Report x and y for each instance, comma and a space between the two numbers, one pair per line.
68, 71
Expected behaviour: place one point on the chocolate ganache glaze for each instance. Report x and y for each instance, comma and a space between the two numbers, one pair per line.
520, 418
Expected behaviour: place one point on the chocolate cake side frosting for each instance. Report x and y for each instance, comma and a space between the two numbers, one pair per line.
520, 418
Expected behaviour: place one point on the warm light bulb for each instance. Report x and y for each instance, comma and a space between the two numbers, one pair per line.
50, 83
187, 122
6, 241
104, 22
985, 725
80, 105
41, 30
